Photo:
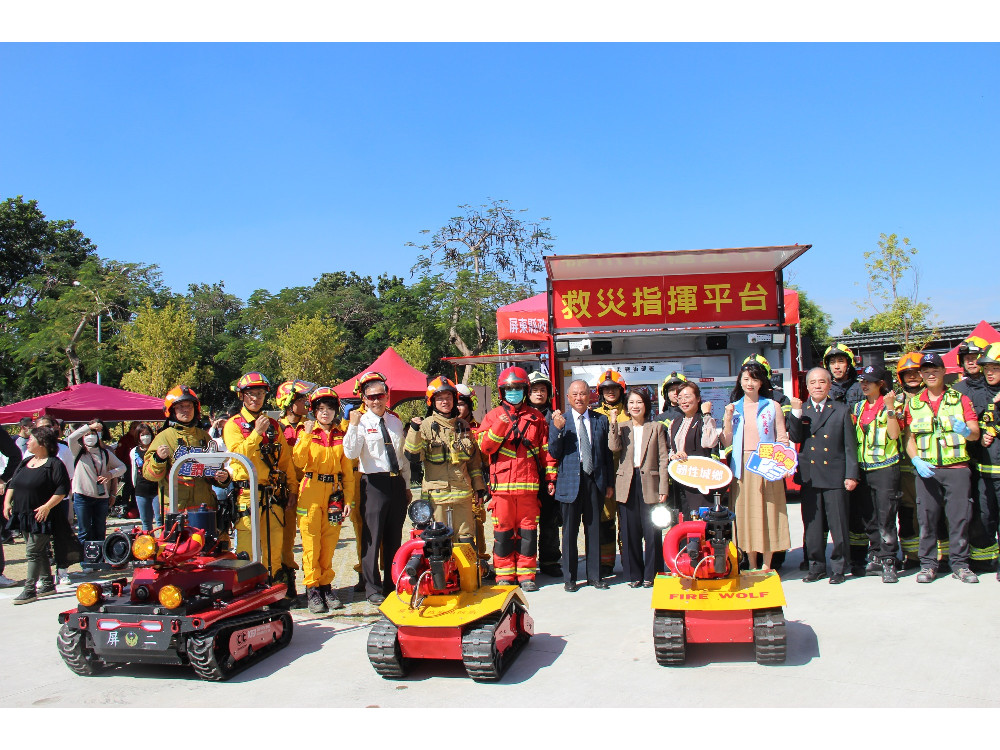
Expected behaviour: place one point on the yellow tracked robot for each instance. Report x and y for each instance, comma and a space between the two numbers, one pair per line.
440, 610
706, 599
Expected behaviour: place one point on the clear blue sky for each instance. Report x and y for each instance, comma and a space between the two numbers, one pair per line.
266, 165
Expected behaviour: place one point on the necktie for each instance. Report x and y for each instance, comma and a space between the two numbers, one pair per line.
586, 459
819, 408
389, 450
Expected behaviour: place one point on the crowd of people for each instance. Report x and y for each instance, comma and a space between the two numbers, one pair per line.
905, 479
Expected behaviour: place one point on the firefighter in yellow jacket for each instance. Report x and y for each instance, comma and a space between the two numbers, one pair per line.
326, 493
181, 435
253, 434
446, 445
292, 397
611, 388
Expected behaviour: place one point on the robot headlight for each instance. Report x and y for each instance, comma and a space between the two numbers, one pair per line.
171, 597
420, 512
88, 594
661, 516
144, 547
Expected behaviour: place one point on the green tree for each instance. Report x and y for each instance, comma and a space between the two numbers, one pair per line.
217, 316
892, 302
39, 258
814, 323
309, 349
415, 351
161, 345
105, 293
484, 258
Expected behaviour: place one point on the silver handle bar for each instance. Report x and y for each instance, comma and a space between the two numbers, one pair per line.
252, 478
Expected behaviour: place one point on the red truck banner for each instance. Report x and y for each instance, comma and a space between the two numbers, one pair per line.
655, 301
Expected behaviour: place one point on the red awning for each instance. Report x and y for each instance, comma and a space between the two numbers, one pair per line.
527, 320
79, 403
984, 331
404, 380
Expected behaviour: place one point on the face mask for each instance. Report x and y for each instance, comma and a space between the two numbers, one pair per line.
513, 397
145, 440
90, 440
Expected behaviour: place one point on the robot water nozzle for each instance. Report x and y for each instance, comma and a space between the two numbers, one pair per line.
437, 550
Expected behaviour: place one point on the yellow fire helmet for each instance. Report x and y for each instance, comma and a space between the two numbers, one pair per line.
972, 345
761, 360
324, 391
367, 378
990, 355
290, 390
252, 380
841, 350
674, 378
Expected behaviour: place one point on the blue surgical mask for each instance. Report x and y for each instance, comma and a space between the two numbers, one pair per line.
513, 397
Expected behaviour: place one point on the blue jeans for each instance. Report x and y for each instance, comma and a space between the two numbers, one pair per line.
149, 511
91, 520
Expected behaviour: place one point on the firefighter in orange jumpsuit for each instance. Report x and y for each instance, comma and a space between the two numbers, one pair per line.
514, 436
326, 492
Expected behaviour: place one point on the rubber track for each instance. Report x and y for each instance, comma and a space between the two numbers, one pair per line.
668, 638
769, 636
79, 657
384, 652
208, 651
479, 655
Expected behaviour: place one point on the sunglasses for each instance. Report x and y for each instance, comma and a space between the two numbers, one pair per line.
375, 396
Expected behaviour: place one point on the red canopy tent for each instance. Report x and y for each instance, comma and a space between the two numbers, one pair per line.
984, 331
404, 380
78, 403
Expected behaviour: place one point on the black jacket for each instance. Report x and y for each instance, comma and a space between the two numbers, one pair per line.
829, 452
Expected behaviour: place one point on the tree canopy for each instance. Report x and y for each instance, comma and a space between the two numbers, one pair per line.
892, 300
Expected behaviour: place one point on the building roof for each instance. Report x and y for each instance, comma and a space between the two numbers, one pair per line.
887, 339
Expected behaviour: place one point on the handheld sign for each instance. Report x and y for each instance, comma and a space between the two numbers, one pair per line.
773, 461
701, 473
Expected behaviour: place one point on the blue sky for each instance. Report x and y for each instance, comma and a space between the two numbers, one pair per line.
266, 165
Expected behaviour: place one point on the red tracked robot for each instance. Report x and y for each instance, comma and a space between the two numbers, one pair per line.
191, 600
440, 610
706, 599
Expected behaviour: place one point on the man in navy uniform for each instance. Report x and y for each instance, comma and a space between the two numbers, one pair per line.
828, 466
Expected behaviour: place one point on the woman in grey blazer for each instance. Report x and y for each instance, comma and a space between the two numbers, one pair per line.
641, 482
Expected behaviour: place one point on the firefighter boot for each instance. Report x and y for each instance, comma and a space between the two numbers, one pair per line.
316, 604
889, 570
329, 598
873, 566
287, 576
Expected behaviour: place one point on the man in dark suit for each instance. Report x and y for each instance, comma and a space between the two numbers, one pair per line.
828, 467
579, 442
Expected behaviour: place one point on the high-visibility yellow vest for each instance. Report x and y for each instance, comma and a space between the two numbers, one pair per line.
875, 449
936, 442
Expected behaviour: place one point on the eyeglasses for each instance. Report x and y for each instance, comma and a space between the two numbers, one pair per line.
375, 396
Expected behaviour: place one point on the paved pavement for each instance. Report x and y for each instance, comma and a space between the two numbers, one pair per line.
862, 643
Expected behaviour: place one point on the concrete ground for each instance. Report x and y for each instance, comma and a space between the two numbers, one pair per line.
863, 643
